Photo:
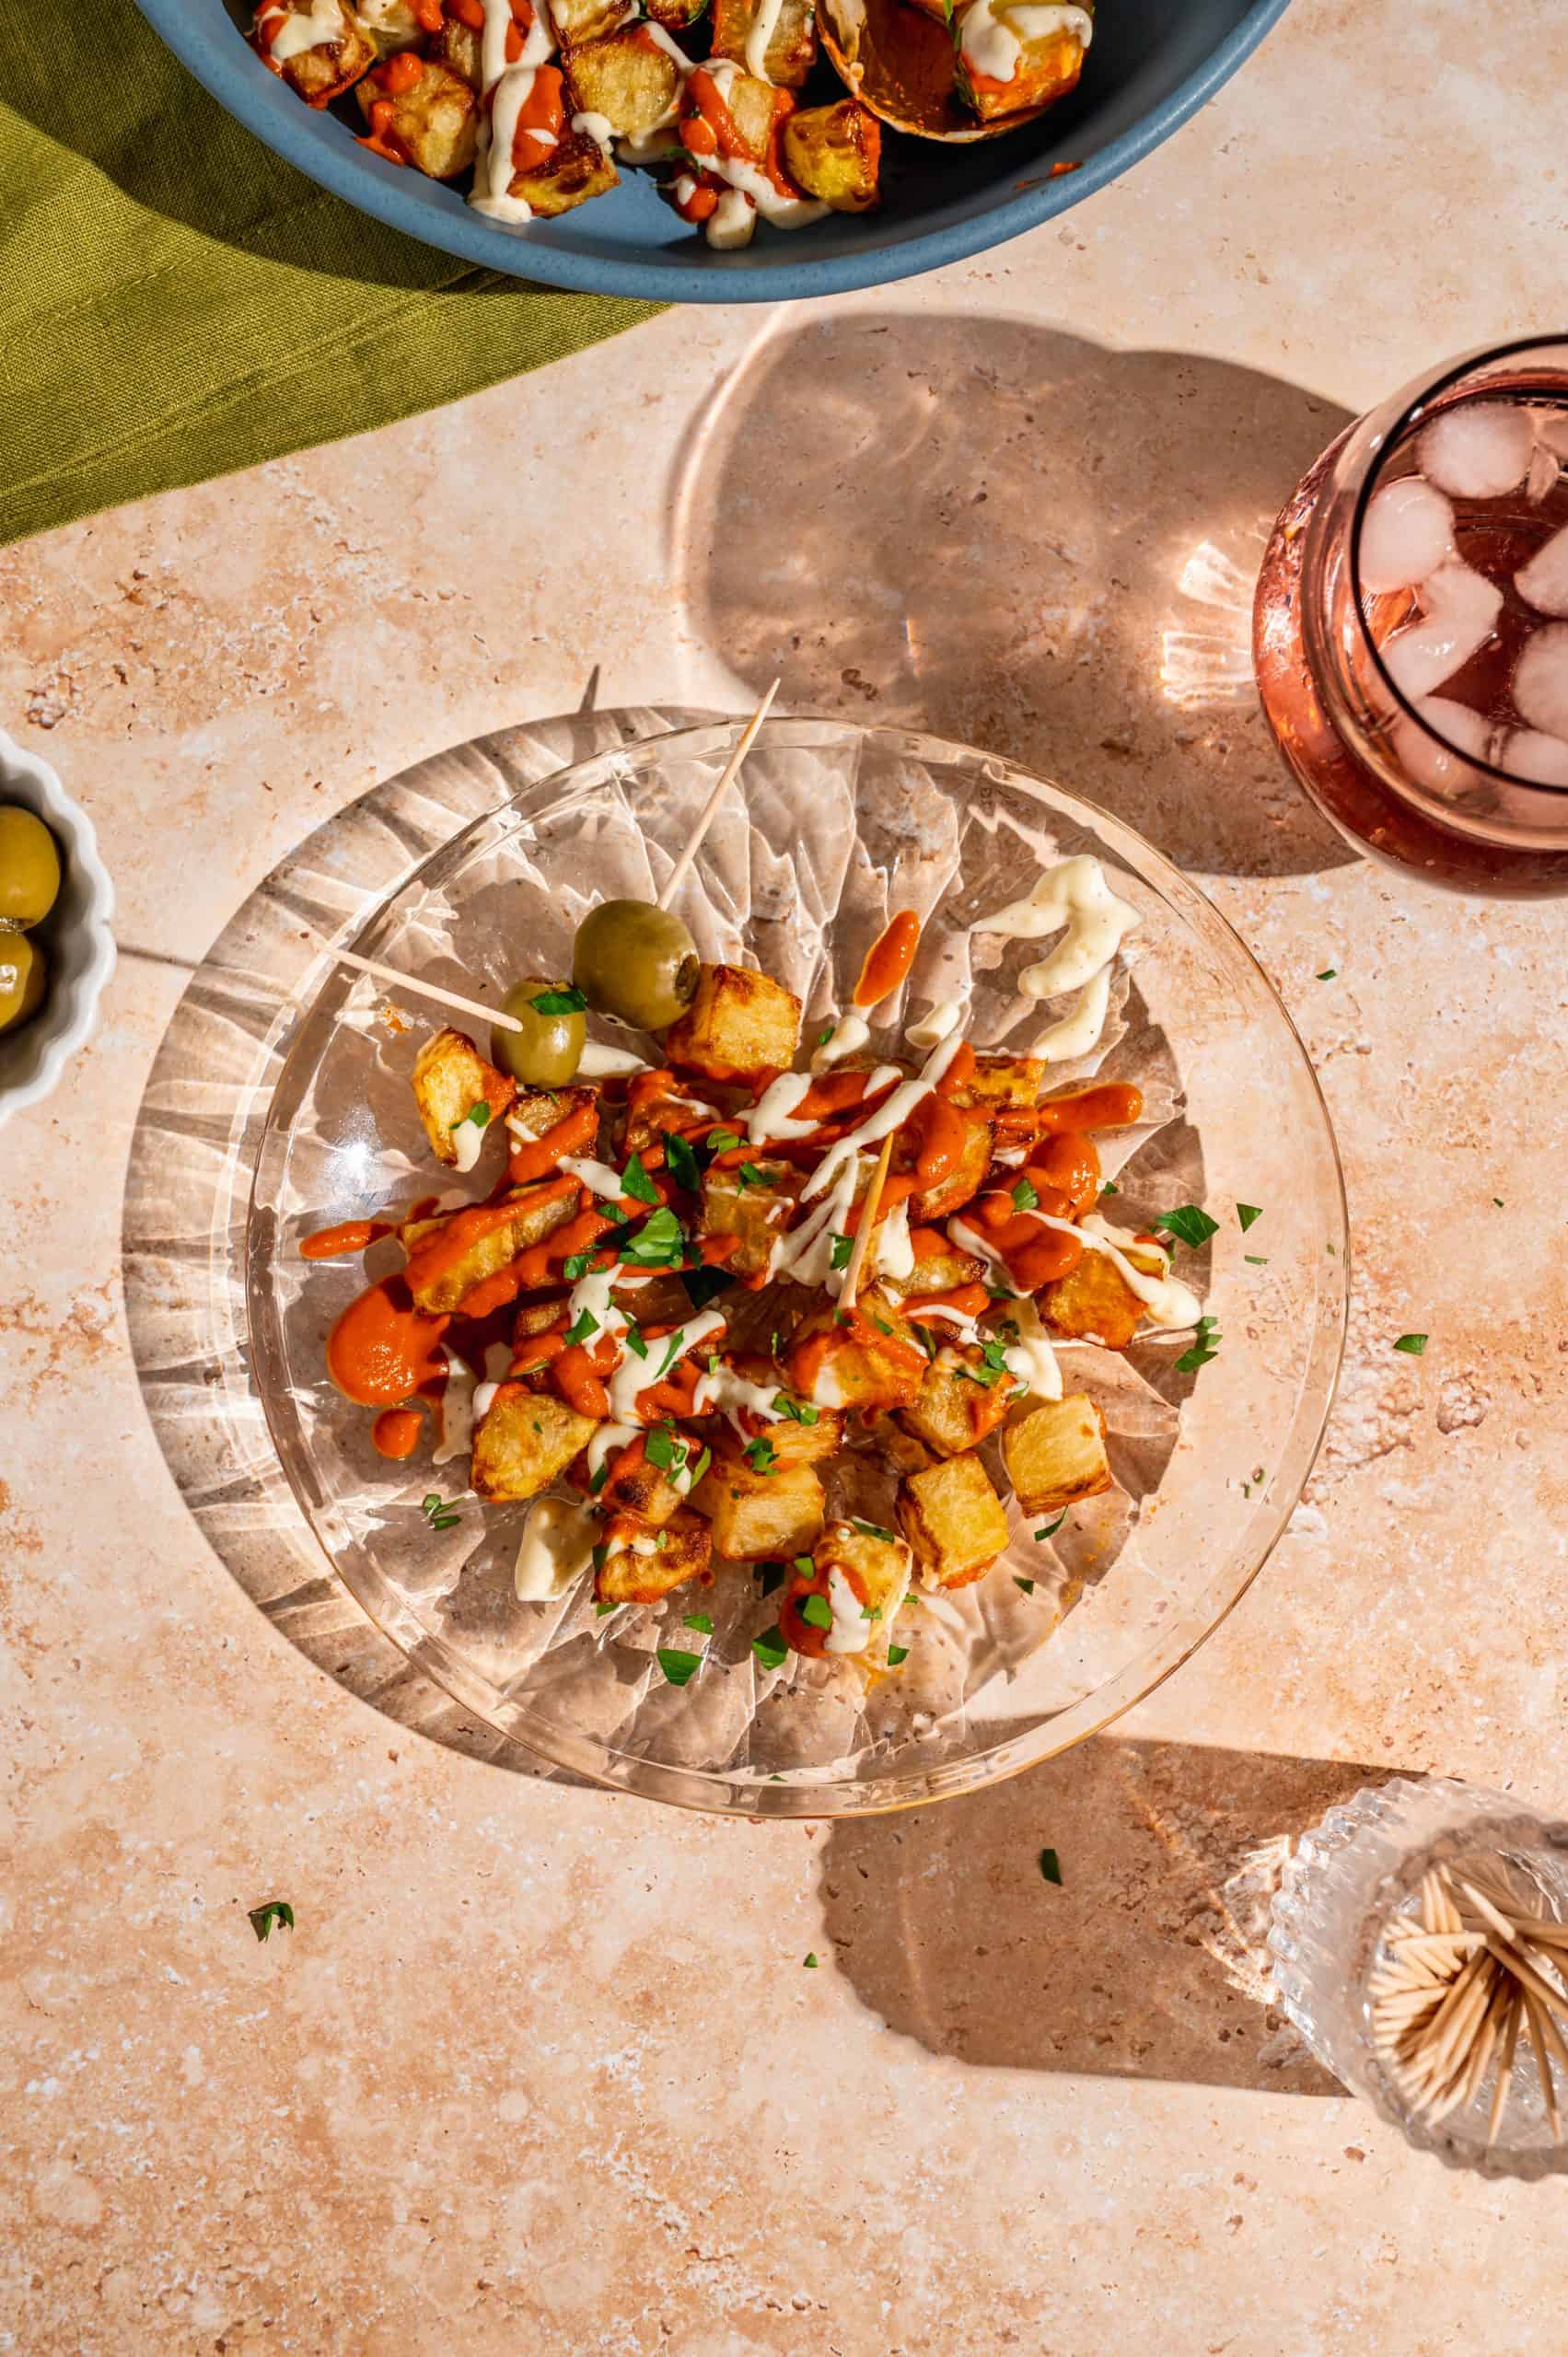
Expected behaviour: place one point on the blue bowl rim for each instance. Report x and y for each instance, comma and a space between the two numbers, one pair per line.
223, 63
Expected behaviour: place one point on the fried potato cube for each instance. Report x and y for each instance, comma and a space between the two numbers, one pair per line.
805, 1434
660, 1300
461, 50
432, 114
756, 1514
568, 174
641, 1566
1094, 1301
577, 21
834, 154
1055, 1455
953, 1519
966, 1178
939, 1266
451, 1254
759, 1214
740, 1022
392, 25
880, 1565
451, 1077
625, 77
960, 1402
639, 1489
539, 1316
791, 50
535, 1111
1047, 69
673, 1107
326, 70
674, 15
873, 1362
523, 1440
1002, 1080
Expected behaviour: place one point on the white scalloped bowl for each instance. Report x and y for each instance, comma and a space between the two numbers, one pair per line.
75, 937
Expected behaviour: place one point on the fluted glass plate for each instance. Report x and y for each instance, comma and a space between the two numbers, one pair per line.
830, 830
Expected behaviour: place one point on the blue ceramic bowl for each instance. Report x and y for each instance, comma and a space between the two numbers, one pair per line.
1152, 62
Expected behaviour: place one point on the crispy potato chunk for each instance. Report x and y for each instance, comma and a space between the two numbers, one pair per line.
803, 1438
834, 154
635, 1487
756, 1514
626, 78
674, 15
641, 1566
457, 1250
740, 1022
673, 1108
433, 118
323, 73
523, 1440
660, 1300
939, 1267
538, 1318
735, 1206
875, 1362
1002, 1080
1048, 68
535, 1111
966, 1178
1094, 1301
461, 50
881, 1565
953, 1519
791, 51
578, 21
1055, 1455
451, 1077
953, 1410
576, 169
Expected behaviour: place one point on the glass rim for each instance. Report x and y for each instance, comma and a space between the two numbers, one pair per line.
1392, 437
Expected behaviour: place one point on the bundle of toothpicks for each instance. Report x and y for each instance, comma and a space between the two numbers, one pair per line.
1457, 1982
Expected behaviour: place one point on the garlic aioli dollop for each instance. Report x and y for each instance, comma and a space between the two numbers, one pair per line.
994, 32
559, 1538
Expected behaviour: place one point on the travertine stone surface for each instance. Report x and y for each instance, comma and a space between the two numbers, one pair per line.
540, 2070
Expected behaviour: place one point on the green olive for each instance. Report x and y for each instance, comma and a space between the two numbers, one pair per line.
546, 1052
22, 977
29, 867
637, 962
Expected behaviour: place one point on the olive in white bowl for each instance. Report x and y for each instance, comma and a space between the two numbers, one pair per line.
56, 946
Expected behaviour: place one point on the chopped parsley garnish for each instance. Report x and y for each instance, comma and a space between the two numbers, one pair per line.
701, 1621
991, 1368
479, 1114
1050, 1529
673, 1348
1256, 1259
1205, 1348
703, 1284
658, 1243
601, 1555
873, 1530
276, 1910
664, 1447
750, 1176
842, 1249
722, 1141
1050, 1866
1498, 1200
897, 1654
769, 1575
928, 1339
800, 1412
1247, 1213
1188, 1224
761, 1454
881, 1325
770, 1647
677, 1666
1412, 1344
582, 1327
440, 1513
682, 1162
569, 1000
816, 1611
809, 1963
1110, 1188
635, 1182
804, 1565
1329, 974
575, 1265
1024, 1196
597, 1479
600, 1609
825, 1034
637, 1340
1019, 1580
700, 1467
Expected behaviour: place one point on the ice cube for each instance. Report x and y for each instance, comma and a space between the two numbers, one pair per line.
1551, 431
1541, 680
1479, 449
1459, 611
1407, 533
1437, 766
1528, 752
1542, 481
1543, 583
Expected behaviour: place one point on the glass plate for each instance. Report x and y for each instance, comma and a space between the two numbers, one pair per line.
831, 828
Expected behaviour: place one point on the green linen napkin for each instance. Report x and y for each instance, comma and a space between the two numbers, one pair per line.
176, 301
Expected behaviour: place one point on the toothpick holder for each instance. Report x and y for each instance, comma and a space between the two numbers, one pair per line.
1356, 1889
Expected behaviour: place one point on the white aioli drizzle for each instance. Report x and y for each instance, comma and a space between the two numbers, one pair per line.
771, 1120
497, 1362
454, 1413
1168, 1302
666, 1351
735, 1395
969, 1239
807, 1253
994, 31
598, 1061
317, 28
725, 224
468, 1140
851, 1631
1031, 1358
850, 1033
888, 1116
1074, 893
590, 124
597, 1177
606, 1440
935, 1025
1078, 1033
764, 24
559, 1538
892, 1248
506, 89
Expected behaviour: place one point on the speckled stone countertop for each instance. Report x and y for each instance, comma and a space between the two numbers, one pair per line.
540, 2070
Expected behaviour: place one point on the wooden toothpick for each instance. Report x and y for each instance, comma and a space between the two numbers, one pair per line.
417, 989
683, 867
868, 1209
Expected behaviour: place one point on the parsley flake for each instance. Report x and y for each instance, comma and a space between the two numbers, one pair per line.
635, 1182
479, 1114
664, 1447
679, 1667
1051, 1528
1329, 974
873, 1530
1205, 1348
635, 1340
1411, 1344
800, 1412
275, 1910
1256, 1259
600, 1609
809, 1963
682, 1162
750, 1176
770, 1647
1019, 1580
761, 1454
566, 1000
1110, 1188
1050, 1866
581, 1328
1024, 1196
701, 1621
816, 1612
897, 1654
575, 1265
597, 1479
842, 1249
658, 1244
1247, 1213
440, 1513
722, 1141
1188, 1224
